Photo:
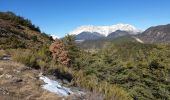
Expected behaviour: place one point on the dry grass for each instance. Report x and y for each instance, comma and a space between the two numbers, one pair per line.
94, 96
10, 64
2, 53
18, 82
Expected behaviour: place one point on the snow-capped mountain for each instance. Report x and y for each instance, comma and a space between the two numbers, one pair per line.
105, 30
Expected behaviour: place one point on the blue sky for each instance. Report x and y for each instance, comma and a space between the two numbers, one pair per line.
61, 16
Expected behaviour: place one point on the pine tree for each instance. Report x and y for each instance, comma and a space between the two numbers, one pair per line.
73, 50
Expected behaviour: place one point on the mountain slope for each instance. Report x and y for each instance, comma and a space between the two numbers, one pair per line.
157, 34
103, 42
88, 36
18, 32
118, 33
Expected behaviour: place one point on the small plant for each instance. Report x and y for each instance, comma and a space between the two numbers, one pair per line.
34, 38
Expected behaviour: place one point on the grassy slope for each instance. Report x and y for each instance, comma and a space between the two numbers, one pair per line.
14, 34
19, 82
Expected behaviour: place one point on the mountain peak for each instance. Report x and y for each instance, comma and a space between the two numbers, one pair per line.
105, 30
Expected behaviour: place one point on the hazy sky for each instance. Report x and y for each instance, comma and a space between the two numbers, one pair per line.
61, 16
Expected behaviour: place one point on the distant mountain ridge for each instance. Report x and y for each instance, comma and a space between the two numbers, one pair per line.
91, 32
156, 34
88, 36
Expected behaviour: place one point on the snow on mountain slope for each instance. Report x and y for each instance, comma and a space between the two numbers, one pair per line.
138, 40
105, 30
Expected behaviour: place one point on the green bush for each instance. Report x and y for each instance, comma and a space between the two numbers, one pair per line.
34, 38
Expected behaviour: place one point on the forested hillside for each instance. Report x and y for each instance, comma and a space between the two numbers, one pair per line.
141, 69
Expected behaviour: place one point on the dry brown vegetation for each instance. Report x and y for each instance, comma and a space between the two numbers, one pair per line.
59, 52
18, 82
